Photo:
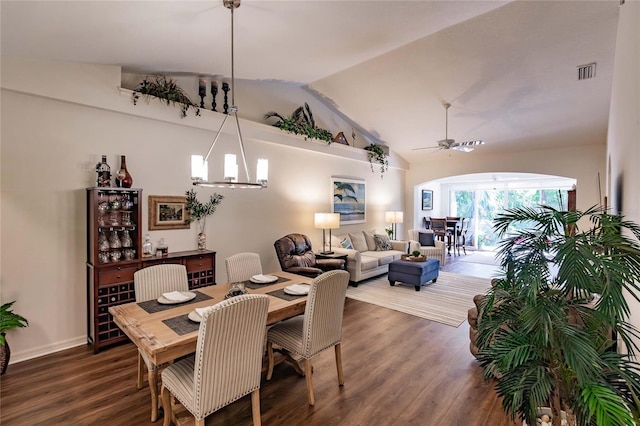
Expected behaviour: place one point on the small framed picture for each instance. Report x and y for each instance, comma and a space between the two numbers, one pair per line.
427, 199
168, 212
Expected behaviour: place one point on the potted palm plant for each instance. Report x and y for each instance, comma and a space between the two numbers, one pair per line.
553, 329
8, 321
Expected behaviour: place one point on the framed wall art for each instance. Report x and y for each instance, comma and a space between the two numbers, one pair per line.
168, 212
427, 199
348, 199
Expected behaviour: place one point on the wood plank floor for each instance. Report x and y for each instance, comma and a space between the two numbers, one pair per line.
399, 369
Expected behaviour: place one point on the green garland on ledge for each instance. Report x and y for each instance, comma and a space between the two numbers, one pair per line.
376, 154
301, 122
167, 91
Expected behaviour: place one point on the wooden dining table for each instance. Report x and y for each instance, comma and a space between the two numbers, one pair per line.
164, 333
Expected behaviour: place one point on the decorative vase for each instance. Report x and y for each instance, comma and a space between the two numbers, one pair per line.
202, 241
5, 354
124, 178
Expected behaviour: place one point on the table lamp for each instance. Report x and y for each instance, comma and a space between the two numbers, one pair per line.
393, 218
326, 221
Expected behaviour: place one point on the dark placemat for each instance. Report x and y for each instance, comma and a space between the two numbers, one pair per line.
152, 306
282, 295
182, 325
253, 286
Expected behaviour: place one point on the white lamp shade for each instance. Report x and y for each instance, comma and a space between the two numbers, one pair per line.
230, 167
393, 217
262, 173
199, 167
327, 221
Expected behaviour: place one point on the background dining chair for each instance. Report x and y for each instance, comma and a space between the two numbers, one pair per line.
227, 364
320, 327
149, 283
242, 266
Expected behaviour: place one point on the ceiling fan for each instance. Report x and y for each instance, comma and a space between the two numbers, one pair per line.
447, 143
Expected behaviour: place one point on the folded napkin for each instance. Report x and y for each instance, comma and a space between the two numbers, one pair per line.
202, 311
297, 289
175, 296
264, 278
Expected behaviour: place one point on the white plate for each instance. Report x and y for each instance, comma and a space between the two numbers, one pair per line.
297, 289
194, 316
164, 301
263, 279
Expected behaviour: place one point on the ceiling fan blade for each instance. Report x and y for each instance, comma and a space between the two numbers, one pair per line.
426, 147
470, 143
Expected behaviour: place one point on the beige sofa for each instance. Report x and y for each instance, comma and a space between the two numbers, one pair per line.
363, 260
437, 251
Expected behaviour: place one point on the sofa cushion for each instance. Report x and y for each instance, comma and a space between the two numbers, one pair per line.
346, 243
382, 242
368, 262
384, 257
371, 242
358, 241
426, 239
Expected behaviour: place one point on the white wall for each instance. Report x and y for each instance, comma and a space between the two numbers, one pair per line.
58, 119
624, 125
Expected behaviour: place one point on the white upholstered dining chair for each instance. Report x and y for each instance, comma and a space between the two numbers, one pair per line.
242, 266
318, 329
227, 364
149, 284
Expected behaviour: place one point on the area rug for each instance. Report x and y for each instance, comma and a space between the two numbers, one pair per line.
446, 301
486, 258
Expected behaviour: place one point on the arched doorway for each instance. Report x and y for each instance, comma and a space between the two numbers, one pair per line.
480, 197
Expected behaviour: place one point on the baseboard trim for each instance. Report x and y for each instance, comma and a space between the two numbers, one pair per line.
17, 357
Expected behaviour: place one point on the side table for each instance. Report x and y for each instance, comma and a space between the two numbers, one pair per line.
331, 256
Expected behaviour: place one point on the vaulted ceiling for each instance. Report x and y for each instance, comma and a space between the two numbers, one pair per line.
509, 68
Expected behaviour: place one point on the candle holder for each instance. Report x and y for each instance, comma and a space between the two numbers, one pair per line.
214, 93
225, 89
202, 91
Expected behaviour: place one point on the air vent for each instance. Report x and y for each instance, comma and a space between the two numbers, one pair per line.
586, 71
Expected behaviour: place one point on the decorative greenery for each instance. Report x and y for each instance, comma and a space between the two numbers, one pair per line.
544, 337
377, 154
389, 231
9, 320
416, 253
166, 90
301, 122
199, 211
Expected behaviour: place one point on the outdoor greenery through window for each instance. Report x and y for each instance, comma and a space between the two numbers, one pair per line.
482, 205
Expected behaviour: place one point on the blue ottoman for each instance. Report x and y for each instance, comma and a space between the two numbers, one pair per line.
414, 273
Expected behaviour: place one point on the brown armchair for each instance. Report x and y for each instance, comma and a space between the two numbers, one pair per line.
296, 256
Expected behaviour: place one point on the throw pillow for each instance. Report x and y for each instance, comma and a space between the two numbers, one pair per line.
382, 242
346, 243
426, 239
371, 243
358, 241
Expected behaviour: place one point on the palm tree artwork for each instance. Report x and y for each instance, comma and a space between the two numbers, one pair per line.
349, 200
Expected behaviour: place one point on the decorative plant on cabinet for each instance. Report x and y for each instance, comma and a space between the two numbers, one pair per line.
8, 321
549, 325
199, 211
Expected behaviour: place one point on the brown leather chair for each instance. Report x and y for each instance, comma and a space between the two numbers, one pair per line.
296, 256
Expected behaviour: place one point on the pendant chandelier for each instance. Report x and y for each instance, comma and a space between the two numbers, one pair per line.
199, 164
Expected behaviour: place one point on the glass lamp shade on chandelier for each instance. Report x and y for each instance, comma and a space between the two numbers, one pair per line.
199, 164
